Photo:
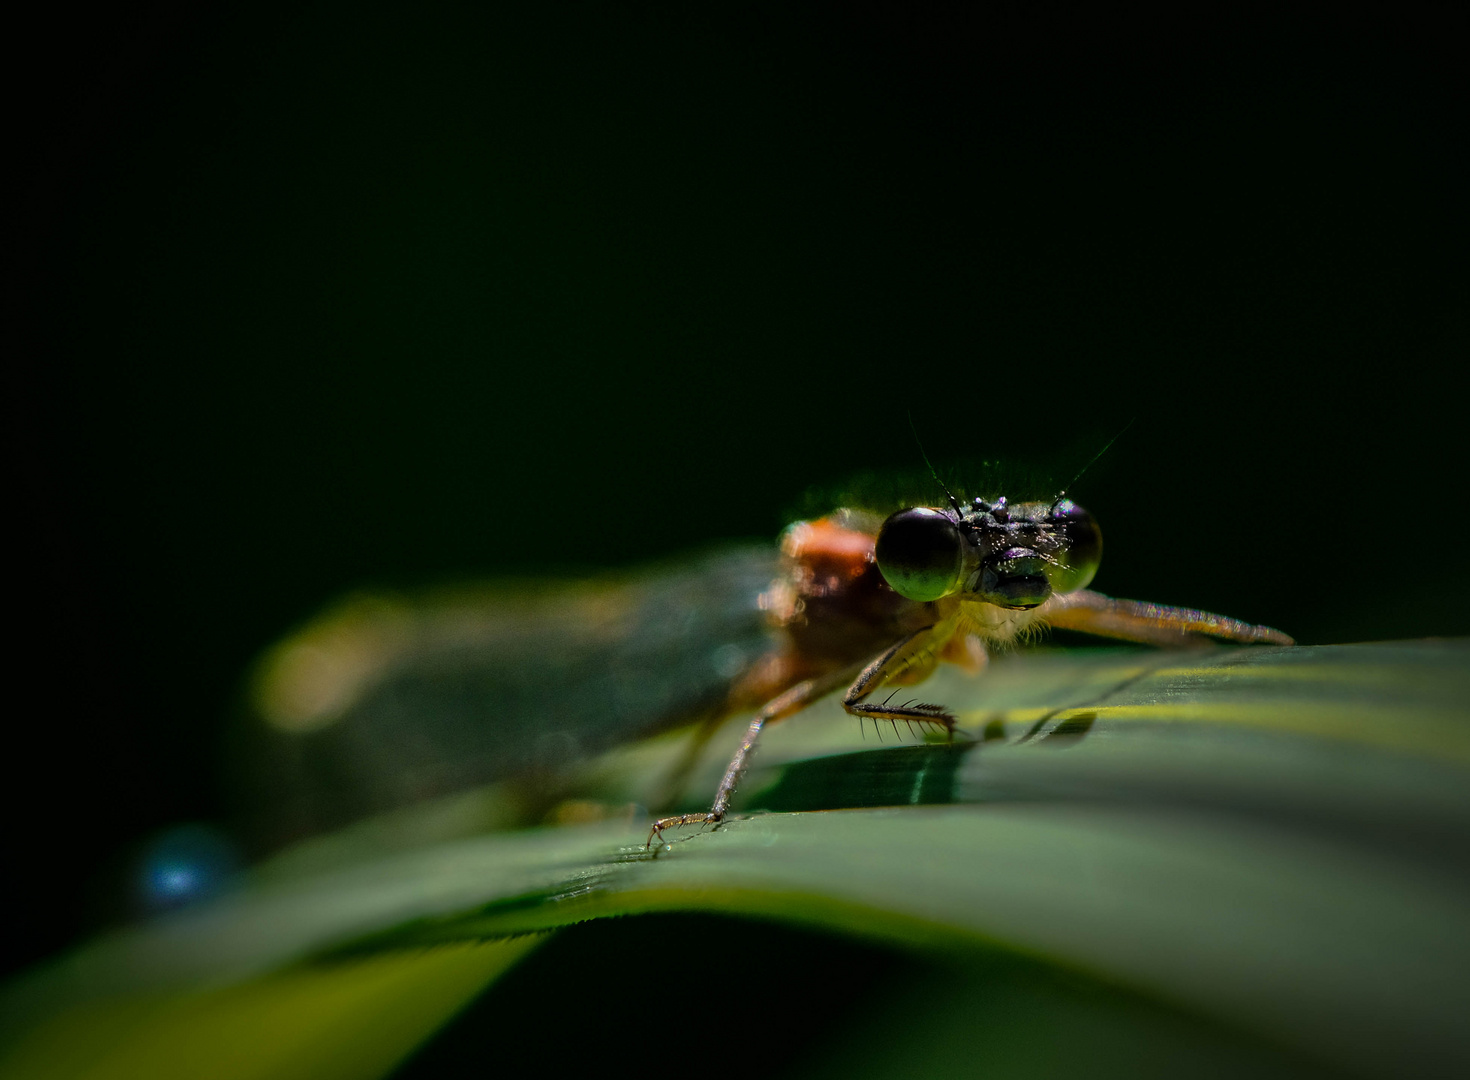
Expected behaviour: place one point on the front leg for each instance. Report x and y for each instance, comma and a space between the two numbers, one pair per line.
794, 700
918, 648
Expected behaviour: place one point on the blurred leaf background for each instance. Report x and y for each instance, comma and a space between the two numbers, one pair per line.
324, 295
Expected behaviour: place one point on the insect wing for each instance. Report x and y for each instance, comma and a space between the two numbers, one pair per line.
385, 700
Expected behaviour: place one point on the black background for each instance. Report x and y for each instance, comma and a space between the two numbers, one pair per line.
376, 294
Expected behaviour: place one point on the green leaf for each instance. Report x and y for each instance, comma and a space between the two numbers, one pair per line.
344, 1021
1267, 839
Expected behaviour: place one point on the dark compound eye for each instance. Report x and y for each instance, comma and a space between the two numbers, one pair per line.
920, 553
1083, 547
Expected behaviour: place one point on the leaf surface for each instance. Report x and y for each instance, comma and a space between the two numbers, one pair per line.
1269, 838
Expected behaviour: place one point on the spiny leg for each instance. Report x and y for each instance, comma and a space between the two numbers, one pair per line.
1151, 624
794, 700
888, 665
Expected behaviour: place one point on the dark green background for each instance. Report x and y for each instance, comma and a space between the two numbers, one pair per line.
393, 294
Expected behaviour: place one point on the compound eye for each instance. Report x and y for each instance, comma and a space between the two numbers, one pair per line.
920, 553
1083, 547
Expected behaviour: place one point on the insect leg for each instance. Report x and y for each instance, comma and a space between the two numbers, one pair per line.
889, 664
671, 787
1151, 624
794, 700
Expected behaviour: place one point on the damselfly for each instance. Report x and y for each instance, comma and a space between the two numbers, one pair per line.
386, 699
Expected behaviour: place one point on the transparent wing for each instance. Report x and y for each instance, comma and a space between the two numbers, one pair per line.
388, 699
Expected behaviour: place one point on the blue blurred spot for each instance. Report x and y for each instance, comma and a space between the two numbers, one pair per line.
185, 864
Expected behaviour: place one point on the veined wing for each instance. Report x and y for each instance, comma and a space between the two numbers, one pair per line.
388, 699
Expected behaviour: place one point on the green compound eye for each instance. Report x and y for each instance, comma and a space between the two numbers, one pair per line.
920, 553
1083, 547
